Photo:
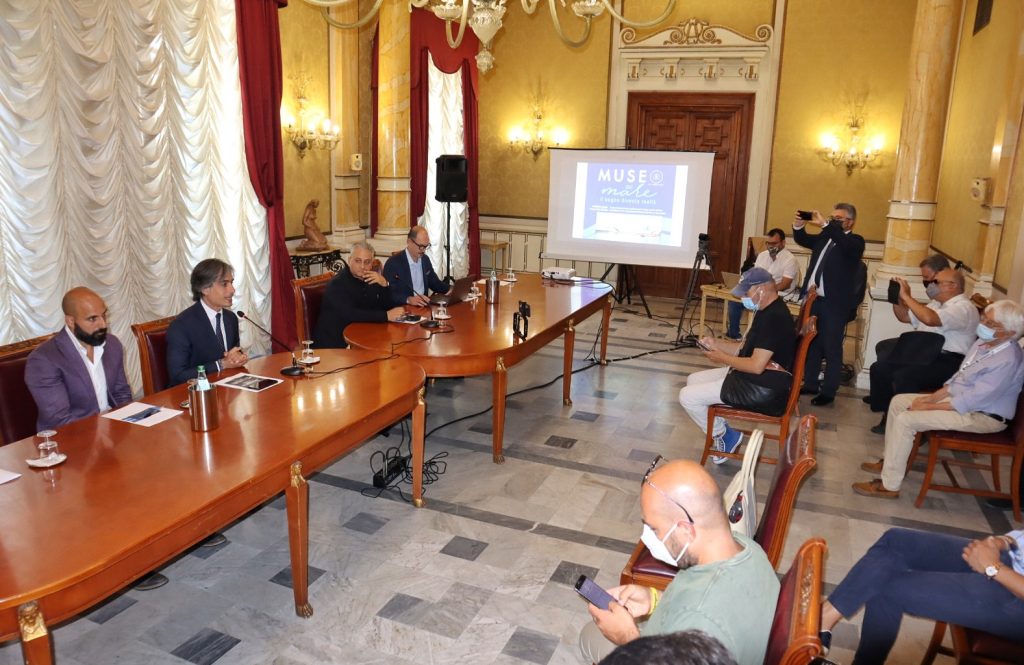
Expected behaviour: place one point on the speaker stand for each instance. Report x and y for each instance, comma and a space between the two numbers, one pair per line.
448, 243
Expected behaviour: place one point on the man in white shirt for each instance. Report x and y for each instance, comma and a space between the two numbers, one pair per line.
782, 265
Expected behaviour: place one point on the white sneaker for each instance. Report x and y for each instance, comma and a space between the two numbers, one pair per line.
718, 445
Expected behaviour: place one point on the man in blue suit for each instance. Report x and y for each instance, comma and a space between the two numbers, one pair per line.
836, 253
410, 274
207, 332
80, 371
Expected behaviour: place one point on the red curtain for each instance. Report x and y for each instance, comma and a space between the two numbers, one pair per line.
427, 38
259, 64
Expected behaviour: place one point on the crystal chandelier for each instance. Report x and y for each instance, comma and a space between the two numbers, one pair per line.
485, 19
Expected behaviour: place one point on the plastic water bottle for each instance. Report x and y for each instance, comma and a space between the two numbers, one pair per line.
202, 383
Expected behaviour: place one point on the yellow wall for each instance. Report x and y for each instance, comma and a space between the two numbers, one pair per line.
836, 54
304, 50
984, 70
741, 15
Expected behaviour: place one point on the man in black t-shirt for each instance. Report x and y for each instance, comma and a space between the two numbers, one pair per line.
765, 357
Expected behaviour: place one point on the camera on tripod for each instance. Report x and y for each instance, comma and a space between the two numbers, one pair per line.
703, 245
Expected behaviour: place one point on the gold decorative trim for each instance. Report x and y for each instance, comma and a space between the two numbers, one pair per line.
697, 32
30, 622
570, 326
500, 365
296, 471
305, 610
806, 586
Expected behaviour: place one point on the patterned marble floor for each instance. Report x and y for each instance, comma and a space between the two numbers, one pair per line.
483, 573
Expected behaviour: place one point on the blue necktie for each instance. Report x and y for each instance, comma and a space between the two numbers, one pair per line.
220, 333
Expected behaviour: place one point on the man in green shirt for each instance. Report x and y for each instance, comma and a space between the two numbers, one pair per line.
725, 586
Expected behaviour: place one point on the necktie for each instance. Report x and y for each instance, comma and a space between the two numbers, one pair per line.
220, 333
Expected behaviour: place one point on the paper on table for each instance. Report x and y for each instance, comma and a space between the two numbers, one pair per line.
8, 476
125, 411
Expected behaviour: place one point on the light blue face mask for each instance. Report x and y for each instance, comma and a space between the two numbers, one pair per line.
985, 333
749, 303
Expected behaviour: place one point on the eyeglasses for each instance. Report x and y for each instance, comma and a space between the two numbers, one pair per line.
422, 247
646, 481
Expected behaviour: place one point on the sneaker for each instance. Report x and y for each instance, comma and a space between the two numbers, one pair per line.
728, 443
717, 445
826, 641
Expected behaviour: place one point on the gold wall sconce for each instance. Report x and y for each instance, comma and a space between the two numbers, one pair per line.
532, 140
852, 150
309, 132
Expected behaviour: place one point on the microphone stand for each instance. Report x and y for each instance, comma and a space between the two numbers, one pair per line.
292, 370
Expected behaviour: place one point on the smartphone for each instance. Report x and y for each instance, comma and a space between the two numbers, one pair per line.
894, 292
597, 596
409, 318
702, 345
805, 215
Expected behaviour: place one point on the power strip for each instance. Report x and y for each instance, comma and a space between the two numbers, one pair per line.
393, 468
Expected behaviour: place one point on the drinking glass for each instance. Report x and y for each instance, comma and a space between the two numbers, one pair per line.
48, 448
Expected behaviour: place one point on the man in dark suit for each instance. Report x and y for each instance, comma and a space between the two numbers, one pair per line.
836, 253
410, 274
207, 332
80, 371
354, 294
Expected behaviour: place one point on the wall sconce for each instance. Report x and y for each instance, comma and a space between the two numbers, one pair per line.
852, 154
534, 141
308, 133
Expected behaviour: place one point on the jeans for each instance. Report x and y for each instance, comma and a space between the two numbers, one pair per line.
735, 313
922, 574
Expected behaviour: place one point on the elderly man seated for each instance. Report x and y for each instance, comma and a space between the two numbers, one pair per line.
356, 294
980, 397
763, 360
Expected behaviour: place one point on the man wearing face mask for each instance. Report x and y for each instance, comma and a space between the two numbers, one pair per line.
725, 586
80, 371
949, 313
781, 263
980, 397
764, 358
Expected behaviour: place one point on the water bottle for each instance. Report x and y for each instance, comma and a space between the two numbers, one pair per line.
202, 403
491, 294
202, 383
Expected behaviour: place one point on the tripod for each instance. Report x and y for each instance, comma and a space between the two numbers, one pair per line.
630, 283
701, 257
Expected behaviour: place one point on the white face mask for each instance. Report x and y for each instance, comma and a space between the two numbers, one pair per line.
657, 547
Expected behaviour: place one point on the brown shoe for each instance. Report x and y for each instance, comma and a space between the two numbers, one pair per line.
875, 488
872, 467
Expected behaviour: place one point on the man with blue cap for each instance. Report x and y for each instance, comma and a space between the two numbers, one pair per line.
761, 363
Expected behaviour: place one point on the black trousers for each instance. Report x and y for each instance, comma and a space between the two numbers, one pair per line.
891, 377
828, 344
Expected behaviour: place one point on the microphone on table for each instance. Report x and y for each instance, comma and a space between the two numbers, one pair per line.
294, 369
424, 324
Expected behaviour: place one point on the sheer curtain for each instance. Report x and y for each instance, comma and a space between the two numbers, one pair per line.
445, 137
122, 162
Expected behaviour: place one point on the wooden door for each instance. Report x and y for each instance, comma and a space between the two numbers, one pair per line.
699, 122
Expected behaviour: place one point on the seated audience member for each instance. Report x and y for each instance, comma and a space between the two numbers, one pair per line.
687, 647
951, 314
410, 274
207, 332
725, 586
80, 371
781, 263
980, 397
974, 583
929, 267
355, 294
764, 359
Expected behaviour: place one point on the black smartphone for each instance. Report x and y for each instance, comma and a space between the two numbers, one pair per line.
894, 292
805, 215
702, 345
597, 596
409, 318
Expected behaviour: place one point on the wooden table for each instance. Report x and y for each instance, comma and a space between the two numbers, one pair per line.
720, 292
129, 498
480, 338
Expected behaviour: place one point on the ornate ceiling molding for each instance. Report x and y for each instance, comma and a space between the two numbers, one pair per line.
696, 32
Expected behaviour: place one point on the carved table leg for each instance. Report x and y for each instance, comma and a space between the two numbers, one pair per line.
606, 320
500, 388
419, 416
36, 646
297, 503
570, 344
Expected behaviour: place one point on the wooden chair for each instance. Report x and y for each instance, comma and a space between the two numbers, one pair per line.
805, 311
151, 338
309, 293
973, 647
795, 465
18, 412
1009, 442
793, 639
808, 333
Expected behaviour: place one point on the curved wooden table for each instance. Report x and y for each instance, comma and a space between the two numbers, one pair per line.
479, 339
129, 498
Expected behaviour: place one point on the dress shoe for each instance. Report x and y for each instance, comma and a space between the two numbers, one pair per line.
872, 467
822, 400
866, 399
808, 391
874, 488
150, 582
216, 540
878, 429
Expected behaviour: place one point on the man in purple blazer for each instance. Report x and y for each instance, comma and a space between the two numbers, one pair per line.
80, 371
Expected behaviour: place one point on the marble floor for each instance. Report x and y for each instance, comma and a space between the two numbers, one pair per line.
483, 573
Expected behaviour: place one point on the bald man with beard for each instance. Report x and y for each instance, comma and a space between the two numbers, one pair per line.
80, 371
725, 587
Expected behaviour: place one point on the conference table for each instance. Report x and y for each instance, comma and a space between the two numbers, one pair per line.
129, 497
479, 338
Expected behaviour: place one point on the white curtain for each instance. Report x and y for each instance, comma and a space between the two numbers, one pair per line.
445, 138
122, 162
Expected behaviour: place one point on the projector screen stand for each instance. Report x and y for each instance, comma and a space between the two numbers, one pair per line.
630, 284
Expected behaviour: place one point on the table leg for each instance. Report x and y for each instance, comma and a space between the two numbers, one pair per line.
500, 387
36, 646
570, 344
703, 310
297, 504
606, 320
419, 416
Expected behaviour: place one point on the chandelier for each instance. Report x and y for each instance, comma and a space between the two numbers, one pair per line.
485, 19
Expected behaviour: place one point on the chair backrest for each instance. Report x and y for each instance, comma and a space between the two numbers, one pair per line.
805, 309
796, 461
793, 639
309, 293
18, 411
1017, 426
806, 336
151, 338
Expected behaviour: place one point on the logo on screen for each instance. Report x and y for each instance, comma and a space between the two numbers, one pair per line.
631, 176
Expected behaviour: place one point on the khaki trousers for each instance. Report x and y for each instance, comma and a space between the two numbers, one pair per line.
593, 645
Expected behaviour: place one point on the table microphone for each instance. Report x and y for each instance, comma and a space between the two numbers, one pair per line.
432, 323
294, 369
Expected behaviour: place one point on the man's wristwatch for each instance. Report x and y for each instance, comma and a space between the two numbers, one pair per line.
993, 570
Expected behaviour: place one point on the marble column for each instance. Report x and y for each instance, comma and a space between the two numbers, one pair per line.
393, 184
